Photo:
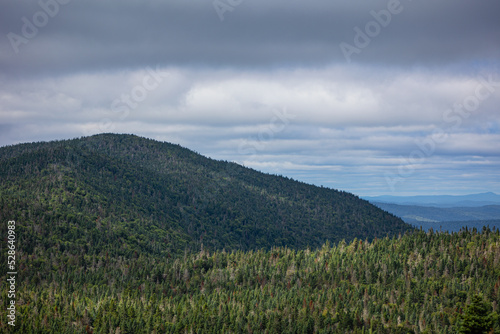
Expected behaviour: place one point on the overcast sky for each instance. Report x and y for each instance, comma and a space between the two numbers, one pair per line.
371, 97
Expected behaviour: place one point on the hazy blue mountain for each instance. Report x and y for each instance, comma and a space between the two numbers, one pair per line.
450, 219
412, 213
455, 226
443, 201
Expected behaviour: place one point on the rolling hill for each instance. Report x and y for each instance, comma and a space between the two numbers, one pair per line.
445, 218
126, 195
444, 212
122, 234
441, 201
415, 213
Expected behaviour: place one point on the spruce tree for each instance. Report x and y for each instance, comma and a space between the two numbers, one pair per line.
476, 319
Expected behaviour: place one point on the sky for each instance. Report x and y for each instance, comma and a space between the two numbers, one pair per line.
371, 97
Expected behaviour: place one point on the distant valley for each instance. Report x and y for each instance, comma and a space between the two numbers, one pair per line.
449, 213
440, 201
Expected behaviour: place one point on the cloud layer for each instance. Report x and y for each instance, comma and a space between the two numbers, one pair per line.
412, 109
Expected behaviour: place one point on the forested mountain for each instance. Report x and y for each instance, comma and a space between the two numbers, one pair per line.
121, 234
417, 283
125, 195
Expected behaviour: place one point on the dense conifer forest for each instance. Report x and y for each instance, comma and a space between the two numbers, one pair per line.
120, 234
415, 283
155, 197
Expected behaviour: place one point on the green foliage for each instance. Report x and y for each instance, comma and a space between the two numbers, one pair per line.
118, 234
417, 283
125, 194
477, 318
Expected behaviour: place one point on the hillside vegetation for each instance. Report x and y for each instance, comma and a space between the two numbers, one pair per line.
415, 283
123, 195
121, 234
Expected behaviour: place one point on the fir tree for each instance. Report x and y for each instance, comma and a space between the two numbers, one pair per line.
476, 319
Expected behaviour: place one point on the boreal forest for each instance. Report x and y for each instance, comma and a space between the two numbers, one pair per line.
122, 234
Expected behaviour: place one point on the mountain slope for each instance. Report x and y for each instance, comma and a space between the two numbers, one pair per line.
125, 194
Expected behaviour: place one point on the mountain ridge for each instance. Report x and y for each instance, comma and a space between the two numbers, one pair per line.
443, 201
93, 192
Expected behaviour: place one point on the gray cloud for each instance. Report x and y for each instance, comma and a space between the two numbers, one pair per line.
96, 35
174, 71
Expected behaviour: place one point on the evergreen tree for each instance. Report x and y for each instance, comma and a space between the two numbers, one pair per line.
476, 319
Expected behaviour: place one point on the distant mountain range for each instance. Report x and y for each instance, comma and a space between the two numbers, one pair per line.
434, 214
444, 211
440, 201
126, 195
